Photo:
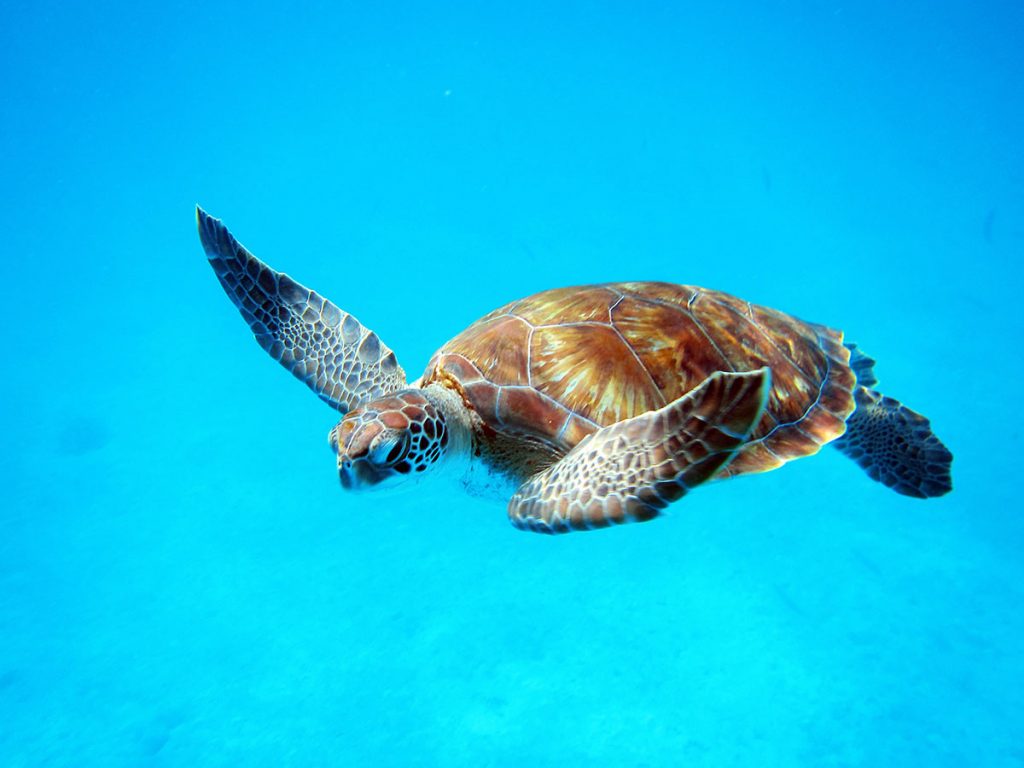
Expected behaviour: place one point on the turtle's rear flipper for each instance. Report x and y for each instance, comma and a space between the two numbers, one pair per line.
896, 446
629, 471
332, 352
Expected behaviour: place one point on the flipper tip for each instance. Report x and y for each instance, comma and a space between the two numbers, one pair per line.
213, 234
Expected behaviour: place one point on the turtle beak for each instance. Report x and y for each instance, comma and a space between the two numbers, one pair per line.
346, 475
358, 475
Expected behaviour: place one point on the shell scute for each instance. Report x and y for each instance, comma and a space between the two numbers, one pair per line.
521, 410
725, 322
499, 349
669, 342
808, 359
838, 397
823, 426
483, 395
566, 305
788, 443
592, 371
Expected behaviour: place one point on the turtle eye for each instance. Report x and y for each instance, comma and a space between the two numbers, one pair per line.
390, 450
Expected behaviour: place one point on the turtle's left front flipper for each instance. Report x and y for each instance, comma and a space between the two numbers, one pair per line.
337, 357
629, 471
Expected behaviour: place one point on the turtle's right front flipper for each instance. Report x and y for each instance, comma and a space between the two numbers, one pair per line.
337, 357
629, 471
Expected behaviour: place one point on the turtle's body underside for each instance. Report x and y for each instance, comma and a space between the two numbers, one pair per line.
601, 404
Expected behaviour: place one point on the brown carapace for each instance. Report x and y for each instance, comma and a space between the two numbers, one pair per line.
597, 405
560, 365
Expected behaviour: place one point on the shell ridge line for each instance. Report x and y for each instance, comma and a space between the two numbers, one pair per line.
700, 325
821, 386
803, 416
691, 316
565, 426
543, 395
828, 410
764, 332
549, 399
575, 324
611, 309
497, 405
791, 361
636, 357
529, 354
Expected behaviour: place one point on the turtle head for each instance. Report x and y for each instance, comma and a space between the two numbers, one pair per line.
388, 441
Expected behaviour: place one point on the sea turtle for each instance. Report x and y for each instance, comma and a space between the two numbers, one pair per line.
592, 405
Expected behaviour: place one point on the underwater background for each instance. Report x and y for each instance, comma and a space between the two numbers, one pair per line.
182, 581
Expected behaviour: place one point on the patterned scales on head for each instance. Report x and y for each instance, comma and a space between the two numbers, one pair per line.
545, 371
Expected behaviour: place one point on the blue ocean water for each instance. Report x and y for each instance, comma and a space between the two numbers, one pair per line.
182, 581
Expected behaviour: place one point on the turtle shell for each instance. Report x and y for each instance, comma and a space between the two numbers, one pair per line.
554, 367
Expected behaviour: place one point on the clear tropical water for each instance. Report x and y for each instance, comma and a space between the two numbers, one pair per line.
182, 582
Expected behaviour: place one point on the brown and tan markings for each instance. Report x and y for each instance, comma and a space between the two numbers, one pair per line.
604, 403
561, 364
